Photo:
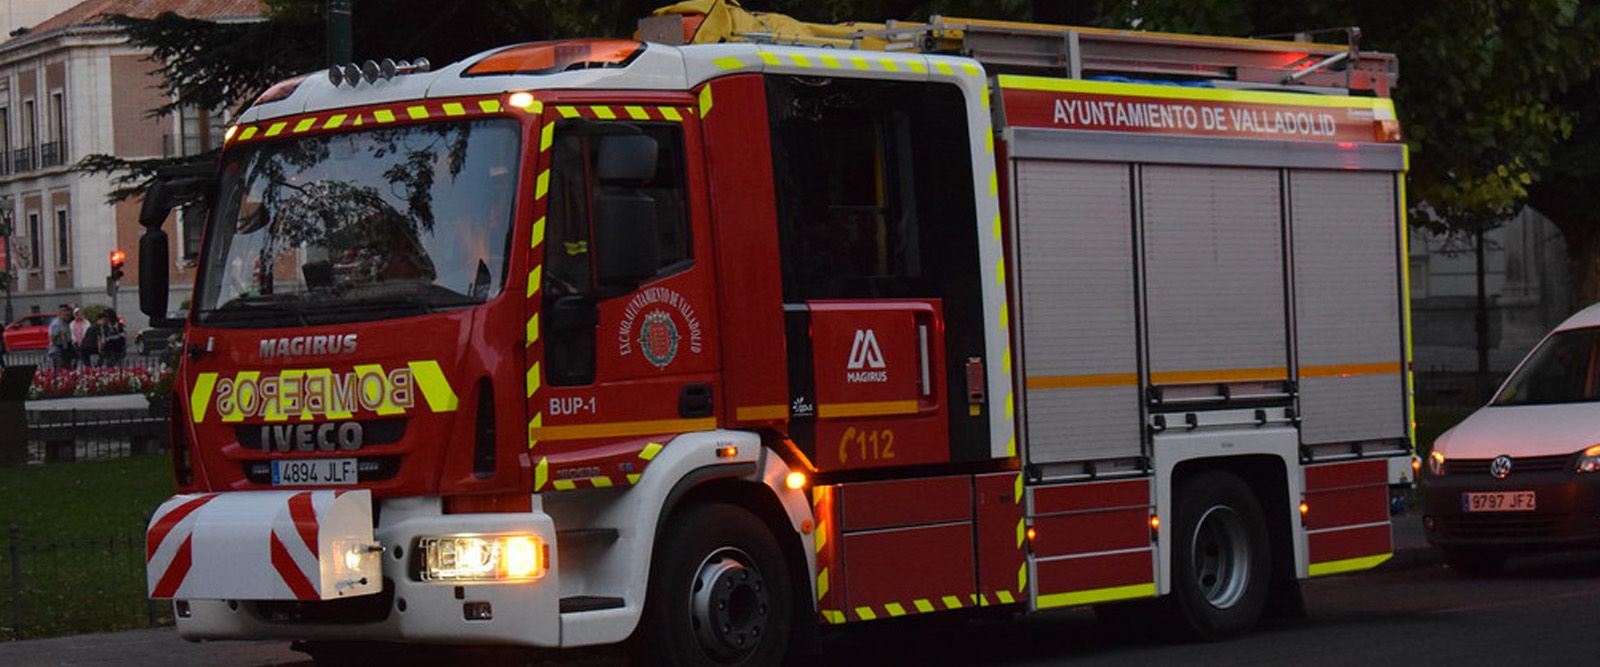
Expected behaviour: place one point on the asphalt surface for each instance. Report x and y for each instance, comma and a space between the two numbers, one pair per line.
1544, 610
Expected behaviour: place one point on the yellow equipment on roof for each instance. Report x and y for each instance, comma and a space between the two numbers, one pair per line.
726, 21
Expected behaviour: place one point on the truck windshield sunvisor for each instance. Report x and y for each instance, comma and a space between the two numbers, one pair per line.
1565, 368
361, 225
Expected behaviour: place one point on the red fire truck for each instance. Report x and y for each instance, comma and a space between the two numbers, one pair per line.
754, 327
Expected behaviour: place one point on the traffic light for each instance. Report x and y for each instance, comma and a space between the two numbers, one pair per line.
117, 258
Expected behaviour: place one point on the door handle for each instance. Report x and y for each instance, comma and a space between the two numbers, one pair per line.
694, 400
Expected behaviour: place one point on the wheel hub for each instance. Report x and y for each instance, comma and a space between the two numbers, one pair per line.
729, 604
1219, 553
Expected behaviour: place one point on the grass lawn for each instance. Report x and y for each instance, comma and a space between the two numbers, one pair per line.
81, 546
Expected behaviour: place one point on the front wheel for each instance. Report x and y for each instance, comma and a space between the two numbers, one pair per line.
1221, 563
719, 592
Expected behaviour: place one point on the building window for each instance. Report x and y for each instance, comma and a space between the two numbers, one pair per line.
54, 152
35, 240
29, 124
5, 140
63, 245
191, 221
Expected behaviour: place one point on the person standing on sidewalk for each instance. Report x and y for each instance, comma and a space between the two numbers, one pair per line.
113, 341
61, 338
80, 328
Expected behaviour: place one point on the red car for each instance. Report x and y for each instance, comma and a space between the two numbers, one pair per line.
29, 332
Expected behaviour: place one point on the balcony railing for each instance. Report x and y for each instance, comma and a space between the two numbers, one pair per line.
24, 159
52, 154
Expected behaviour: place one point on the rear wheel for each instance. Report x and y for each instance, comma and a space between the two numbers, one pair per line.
719, 592
1476, 562
1221, 564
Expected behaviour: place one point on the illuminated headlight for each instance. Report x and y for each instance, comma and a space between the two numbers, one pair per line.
483, 557
1435, 464
1590, 460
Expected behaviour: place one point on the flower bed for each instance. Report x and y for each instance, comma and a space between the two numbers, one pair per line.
66, 383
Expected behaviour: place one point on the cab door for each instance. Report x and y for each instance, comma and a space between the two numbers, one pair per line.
881, 282
621, 335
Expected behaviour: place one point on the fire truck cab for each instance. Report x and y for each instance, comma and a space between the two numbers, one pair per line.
754, 327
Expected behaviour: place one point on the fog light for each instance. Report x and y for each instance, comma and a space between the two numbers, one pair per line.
483, 558
477, 611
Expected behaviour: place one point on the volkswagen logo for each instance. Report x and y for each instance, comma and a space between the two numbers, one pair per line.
1500, 467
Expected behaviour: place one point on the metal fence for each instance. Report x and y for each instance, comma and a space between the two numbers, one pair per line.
41, 359
59, 584
61, 436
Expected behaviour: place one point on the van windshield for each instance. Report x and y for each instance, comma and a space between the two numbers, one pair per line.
361, 225
1563, 369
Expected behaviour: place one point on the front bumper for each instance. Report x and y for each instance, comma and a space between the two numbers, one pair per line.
407, 610
1567, 514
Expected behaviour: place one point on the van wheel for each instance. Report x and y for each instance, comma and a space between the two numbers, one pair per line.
1221, 563
719, 592
1476, 562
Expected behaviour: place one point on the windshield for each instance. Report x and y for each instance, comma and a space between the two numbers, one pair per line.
1564, 369
361, 225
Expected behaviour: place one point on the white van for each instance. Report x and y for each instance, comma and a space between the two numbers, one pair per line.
1523, 472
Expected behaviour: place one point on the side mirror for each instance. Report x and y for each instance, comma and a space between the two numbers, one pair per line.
626, 157
624, 234
153, 273
173, 186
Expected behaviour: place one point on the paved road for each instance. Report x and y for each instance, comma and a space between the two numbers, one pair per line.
1544, 611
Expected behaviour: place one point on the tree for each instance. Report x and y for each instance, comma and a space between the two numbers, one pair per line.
1478, 98
1566, 192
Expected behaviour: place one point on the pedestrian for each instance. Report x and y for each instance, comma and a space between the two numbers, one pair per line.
80, 328
61, 338
113, 339
89, 345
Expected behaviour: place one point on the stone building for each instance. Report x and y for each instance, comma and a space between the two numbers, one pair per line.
71, 86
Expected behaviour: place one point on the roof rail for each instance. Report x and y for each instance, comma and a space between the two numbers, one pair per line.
1071, 51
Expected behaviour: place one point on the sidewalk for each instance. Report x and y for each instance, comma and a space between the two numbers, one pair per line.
159, 646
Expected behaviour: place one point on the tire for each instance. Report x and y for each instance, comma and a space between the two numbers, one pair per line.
719, 592
1476, 563
1221, 561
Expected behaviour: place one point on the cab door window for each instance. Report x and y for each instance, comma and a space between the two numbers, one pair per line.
580, 189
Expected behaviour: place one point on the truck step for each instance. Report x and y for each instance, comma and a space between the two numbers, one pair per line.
582, 603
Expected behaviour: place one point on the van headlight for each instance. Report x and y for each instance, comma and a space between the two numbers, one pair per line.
1589, 460
1436, 464
460, 558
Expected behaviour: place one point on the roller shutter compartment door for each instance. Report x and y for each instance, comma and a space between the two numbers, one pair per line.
1347, 307
1079, 327
1214, 274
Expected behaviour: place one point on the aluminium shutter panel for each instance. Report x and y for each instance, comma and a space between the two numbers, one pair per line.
1346, 254
1080, 330
1214, 273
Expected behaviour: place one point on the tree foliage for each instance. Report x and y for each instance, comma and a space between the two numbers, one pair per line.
1481, 82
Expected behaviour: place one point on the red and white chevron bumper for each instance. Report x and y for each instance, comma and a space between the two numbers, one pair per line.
263, 545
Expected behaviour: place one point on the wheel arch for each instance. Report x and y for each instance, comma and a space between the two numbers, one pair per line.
759, 490
1267, 477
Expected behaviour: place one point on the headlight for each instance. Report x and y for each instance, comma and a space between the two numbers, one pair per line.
1436, 464
1590, 460
483, 557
